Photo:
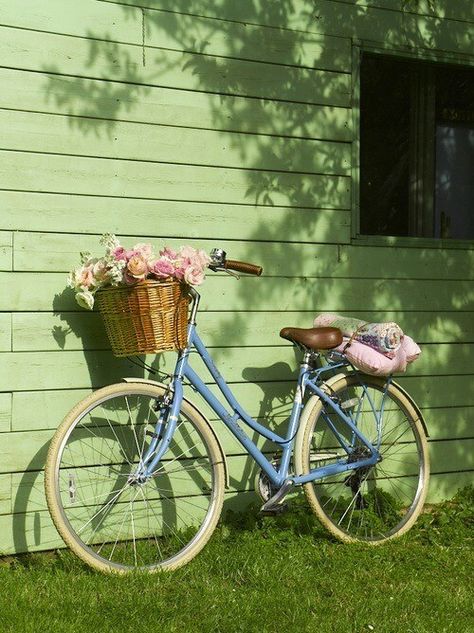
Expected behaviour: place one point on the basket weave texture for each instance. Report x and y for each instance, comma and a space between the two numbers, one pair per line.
147, 318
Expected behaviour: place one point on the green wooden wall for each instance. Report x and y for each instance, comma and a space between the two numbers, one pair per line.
220, 123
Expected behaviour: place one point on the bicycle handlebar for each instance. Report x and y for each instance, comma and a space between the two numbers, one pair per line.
243, 267
219, 261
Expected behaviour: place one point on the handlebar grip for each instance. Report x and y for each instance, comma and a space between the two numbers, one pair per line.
243, 267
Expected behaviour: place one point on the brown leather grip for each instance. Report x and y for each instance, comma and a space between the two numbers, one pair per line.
243, 267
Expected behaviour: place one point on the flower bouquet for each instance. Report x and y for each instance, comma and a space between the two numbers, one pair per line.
141, 296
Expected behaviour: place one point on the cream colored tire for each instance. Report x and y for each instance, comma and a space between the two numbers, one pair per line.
113, 523
382, 502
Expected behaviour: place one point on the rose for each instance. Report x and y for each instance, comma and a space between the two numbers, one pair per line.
119, 253
137, 267
100, 272
81, 278
203, 257
194, 275
144, 250
128, 279
180, 268
86, 277
169, 253
197, 256
162, 268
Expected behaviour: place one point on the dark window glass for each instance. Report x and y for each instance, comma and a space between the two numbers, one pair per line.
417, 149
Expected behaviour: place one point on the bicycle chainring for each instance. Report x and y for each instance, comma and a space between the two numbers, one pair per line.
263, 486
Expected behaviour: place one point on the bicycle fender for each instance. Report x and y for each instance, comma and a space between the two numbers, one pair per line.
414, 405
198, 412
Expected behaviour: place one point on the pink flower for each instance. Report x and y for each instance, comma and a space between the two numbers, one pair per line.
100, 272
162, 268
119, 253
83, 277
128, 279
129, 254
194, 257
180, 267
143, 250
187, 252
194, 275
169, 253
137, 267
203, 257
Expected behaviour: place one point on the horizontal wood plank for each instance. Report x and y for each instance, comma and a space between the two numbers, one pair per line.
59, 252
461, 10
6, 411
345, 19
121, 178
59, 94
5, 332
270, 404
6, 250
39, 292
22, 371
61, 54
45, 409
188, 33
34, 331
186, 220
165, 144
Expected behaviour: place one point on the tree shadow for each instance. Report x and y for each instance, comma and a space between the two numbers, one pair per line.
276, 101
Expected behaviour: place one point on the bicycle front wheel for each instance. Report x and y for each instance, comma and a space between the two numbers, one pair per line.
103, 514
371, 504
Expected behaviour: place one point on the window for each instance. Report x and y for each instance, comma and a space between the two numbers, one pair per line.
416, 148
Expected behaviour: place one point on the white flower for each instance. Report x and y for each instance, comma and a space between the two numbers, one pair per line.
85, 299
109, 241
115, 271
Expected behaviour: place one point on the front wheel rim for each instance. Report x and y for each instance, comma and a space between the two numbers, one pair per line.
121, 526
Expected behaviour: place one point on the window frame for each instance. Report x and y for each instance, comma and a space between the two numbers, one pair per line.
437, 56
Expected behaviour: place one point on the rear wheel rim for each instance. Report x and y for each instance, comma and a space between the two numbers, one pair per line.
379, 502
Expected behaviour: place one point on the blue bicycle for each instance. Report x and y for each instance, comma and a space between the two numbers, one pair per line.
135, 474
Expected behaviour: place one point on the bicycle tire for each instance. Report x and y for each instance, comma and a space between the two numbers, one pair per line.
124, 526
377, 503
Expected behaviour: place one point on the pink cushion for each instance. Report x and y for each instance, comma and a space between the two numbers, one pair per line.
372, 362
411, 349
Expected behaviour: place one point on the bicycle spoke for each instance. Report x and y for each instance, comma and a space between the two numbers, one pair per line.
368, 503
128, 521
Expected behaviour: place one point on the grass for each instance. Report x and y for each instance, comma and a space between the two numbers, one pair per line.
264, 574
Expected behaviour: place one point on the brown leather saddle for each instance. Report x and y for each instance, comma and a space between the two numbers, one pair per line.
315, 338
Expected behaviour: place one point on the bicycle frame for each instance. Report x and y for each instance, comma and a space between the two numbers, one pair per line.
308, 379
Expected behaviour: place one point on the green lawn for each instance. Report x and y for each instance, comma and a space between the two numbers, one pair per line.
264, 575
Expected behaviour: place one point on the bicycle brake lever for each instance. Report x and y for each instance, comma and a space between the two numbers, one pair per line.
231, 273
221, 269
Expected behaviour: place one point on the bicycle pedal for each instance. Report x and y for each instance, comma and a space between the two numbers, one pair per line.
275, 510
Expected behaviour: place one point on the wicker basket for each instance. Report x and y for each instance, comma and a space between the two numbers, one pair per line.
147, 318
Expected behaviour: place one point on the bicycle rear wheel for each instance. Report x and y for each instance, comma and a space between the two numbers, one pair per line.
376, 503
105, 516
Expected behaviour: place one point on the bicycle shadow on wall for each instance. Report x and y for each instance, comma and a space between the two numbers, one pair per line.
274, 99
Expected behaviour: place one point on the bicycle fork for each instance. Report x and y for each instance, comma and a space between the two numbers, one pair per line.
167, 419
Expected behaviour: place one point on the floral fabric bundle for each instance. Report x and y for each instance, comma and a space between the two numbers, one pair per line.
385, 338
126, 267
